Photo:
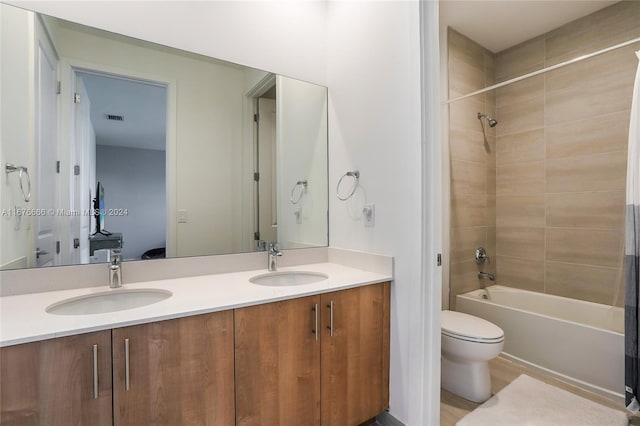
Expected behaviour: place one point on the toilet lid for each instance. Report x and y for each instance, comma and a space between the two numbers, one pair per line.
468, 327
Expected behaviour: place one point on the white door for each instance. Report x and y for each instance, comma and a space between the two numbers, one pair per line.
83, 189
46, 183
266, 167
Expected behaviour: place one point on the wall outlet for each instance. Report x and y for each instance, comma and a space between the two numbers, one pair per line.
369, 213
183, 216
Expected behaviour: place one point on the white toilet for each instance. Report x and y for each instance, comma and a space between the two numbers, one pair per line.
468, 343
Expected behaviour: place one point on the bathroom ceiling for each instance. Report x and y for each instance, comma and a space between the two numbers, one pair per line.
498, 25
143, 108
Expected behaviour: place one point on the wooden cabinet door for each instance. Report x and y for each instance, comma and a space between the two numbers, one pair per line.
355, 369
180, 372
51, 382
278, 363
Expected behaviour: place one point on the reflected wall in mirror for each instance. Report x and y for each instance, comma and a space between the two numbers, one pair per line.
120, 143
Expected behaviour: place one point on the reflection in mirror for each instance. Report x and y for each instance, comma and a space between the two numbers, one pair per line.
157, 152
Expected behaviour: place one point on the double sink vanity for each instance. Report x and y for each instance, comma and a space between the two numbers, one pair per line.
121, 299
308, 344
203, 337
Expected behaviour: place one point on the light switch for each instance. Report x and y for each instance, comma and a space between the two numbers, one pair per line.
182, 216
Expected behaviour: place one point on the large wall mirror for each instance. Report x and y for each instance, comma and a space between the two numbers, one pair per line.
109, 142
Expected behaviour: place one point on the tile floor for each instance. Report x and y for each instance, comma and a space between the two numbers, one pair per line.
503, 372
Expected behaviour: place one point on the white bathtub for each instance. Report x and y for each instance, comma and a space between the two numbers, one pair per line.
580, 342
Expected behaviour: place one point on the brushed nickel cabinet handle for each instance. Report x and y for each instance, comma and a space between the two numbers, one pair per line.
315, 328
95, 372
127, 381
330, 306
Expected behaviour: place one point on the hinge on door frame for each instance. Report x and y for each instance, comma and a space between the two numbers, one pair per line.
76, 170
76, 98
256, 176
256, 235
57, 247
58, 166
59, 88
439, 259
256, 118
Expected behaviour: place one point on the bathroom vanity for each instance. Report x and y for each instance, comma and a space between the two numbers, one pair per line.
221, 350
194, 338
322, 359
178, 371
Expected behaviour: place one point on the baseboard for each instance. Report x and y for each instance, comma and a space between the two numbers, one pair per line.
386, 419
18, 263
616, 397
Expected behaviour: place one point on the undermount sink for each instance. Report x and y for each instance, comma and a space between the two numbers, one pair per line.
286, 278
108, 301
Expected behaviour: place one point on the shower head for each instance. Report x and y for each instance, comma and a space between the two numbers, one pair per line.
491, 121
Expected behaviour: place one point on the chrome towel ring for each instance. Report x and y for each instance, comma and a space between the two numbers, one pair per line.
356, 177
302, 184
10, 168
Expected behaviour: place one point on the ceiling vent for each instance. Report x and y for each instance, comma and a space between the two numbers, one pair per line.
113, 117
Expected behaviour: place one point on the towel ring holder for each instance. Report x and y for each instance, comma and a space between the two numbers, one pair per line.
10, 168
303, 186
355, 174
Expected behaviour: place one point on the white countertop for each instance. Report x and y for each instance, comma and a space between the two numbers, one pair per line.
24, 319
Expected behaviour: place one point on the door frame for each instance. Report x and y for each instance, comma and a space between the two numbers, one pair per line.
425, 405
69, 66
41, 34
249, 158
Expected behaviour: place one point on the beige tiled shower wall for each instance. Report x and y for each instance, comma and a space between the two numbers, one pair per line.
561, 159
473, 163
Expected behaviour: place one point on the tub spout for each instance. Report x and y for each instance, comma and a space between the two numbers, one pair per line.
486, 276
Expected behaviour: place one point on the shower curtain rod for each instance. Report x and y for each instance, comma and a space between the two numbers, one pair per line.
544, 70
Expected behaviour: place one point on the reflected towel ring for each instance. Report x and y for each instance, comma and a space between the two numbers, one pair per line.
356, 176
10, 168
303, 187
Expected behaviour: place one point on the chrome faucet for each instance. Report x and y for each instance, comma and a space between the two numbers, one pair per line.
115, 272
486, 276
272, 254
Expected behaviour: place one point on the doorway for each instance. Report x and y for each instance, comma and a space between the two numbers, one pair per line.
120, 145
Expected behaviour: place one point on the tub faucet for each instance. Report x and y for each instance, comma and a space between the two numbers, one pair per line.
115, 273
486, 276
481, 256
273, 254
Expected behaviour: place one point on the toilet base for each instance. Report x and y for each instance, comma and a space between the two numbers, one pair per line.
470, 380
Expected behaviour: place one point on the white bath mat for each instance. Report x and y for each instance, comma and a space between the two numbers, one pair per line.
530, 402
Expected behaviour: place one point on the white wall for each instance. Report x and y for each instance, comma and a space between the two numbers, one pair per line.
368, 54
208, 128
134, 179
255, 33
302, 155
16, 128
374, 127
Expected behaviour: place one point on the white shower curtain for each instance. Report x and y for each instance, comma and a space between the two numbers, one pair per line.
632, 256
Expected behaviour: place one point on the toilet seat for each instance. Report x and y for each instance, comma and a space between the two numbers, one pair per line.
469, 328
